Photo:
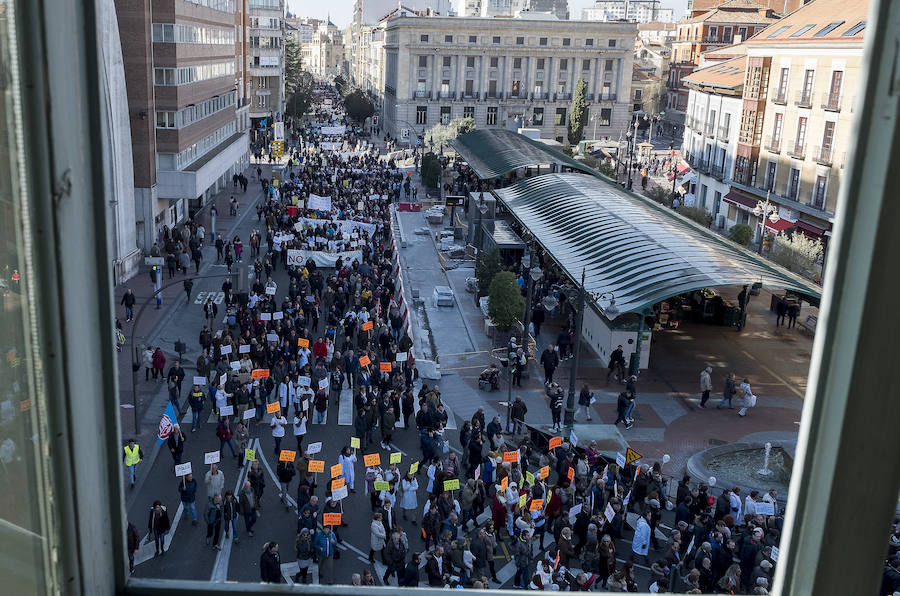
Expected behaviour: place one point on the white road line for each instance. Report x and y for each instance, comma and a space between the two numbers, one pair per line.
147, 549
345, 408
220, 568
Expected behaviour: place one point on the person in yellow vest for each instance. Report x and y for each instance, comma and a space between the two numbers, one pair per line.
132, 457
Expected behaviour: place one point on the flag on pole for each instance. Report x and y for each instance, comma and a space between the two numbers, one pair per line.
627, 498
167, 424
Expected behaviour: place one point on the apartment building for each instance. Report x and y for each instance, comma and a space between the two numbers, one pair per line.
697, 7
636, 11
324, 55
505, 72
797, 112
711, 133
266, 62
659, 31
728, 23
184, 105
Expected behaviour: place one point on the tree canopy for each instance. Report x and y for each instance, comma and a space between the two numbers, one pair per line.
442, 134
505, 304
293, 66
358, 105
578, 113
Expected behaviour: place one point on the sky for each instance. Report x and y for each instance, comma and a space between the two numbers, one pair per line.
341, 11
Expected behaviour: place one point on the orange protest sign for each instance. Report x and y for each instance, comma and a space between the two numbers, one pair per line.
316, 465
372, 459
338, 483
555, 442
331, 519
511, 456
336, 470
368, 325
504, 483
273, 407
302, 342
385, 366
536, 505
544, 472
287, 455
571, 474
259, 373
364, 361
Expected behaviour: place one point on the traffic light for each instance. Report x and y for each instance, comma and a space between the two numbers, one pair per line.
374, 120
153, 274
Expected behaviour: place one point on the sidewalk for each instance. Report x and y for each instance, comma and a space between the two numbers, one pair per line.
152, 322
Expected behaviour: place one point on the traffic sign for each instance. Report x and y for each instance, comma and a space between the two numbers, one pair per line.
404, 133
632, 456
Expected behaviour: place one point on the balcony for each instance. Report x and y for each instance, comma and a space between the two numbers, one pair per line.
773, 145
563, 96
717, 172
804, 99
780, 97
723, 133
797, 150
824, 155
539, 95
423, 94
789, 202
831, 102
606, 96
710, 130
447, 95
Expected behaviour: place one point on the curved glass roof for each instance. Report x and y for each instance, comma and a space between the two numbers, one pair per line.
640, 251
497, 152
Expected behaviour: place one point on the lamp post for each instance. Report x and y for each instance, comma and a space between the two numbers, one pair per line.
631, 149
635, 364
579, 321
674, 168
534, 276
765, 211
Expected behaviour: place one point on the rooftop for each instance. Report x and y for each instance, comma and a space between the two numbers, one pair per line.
819, 21
735, 14
723, 75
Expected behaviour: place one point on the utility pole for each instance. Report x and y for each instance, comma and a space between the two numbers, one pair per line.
579, 320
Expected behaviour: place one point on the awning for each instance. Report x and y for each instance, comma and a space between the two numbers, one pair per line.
780, 225
638, 250
606, 153
497, 152
740, 201
682, 168
810, 229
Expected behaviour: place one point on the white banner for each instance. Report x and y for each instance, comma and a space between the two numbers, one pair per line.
321, 259
347, 226
334, 130
319, 203
331, 146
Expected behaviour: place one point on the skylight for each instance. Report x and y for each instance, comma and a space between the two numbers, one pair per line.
828, 28
801, 30
779, 31
854, 29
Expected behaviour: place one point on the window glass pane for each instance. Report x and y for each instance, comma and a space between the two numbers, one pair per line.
24, 546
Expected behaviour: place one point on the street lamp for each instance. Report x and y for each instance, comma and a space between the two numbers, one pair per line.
631, 148
534, 276
765, 211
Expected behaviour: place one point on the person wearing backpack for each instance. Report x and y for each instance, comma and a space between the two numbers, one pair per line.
305, 552
214, 521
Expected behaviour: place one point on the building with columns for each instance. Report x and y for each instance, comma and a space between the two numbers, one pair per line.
505, 72
324, 55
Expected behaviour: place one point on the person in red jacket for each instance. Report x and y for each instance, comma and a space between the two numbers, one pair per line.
320, 348
225, 434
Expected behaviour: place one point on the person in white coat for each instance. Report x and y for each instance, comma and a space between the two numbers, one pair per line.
347, 459
749, 398
379, 536
705, 386
640, 544
408, 499
736, 506
299, 429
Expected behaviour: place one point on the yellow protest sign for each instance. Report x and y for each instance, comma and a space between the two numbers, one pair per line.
382, 485
451, 484
395, 457
529, 477
632, 456
250, 454
354, 442
414, 467
522, 500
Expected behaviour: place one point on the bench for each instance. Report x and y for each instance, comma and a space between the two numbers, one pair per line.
809, 324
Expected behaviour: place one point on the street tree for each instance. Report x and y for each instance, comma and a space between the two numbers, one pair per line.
798, 253
430, 170
441, 134
293, 66
358, 105
506, 303
488, 265
578, 111
301, 99
741, 234
659, 194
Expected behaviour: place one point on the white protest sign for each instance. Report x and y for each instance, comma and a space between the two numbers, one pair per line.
775, 553
574, 511
339, 493
323, 383
305, 404
573, 439
183, 469
319, 203
235, 365
250, 413
402, 356
222, 379
270, 290
620, 460
303, 381
244, 349
764, 508
199, 380
277, 316
212, 457
226, 410
609, 512
271, 337
266, 316
314, 448
225, 350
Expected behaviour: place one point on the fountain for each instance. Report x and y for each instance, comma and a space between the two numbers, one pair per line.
765, 472
738, 464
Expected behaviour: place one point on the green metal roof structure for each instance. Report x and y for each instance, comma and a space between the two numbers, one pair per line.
632, 247
497, 152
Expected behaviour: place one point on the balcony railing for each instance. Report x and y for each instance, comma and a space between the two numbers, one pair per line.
710, 130
780, 97
773, 144
824, 155
606, 96
831, 102
797, 150
423, 94
723, 133
539, 95
717, 172
446, 95
563, 96
804, 99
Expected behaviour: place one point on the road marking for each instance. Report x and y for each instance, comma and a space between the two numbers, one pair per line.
345, 408
147, 549
220, 568
217, 297
771, 372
